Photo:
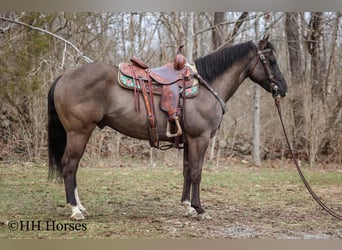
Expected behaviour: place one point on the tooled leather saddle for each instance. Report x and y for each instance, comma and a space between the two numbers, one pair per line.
173, 81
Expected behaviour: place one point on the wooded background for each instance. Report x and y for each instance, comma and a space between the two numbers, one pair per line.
37, 47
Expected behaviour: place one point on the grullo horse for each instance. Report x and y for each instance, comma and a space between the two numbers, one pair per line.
90, 96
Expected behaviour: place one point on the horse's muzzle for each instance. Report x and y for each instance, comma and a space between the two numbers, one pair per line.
276, 92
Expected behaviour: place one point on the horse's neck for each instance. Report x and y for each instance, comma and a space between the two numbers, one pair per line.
227, 83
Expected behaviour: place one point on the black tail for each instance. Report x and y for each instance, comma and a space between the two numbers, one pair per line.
56, 137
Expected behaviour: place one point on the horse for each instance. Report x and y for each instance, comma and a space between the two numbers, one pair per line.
89, 96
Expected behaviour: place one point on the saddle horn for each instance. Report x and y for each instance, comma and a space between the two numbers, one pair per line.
179, 61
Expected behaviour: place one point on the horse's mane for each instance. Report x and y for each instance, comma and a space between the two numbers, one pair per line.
215, 63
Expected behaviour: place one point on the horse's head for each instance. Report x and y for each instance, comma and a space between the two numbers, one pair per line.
264, 69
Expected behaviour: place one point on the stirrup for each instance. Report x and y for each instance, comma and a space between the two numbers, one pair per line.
179, 129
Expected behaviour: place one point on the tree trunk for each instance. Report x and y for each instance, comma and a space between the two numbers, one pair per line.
189, 43
318, 110
217, 40
256, 126
335, 113
217, 36
315, 50
297, 80
237, 26
256, 113
329, 83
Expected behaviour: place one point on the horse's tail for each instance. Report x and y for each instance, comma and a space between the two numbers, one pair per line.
56, 137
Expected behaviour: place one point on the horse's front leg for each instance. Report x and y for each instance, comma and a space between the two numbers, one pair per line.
196, 152
187, 183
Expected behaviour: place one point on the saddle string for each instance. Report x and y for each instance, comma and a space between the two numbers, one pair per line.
308, 187
136, 85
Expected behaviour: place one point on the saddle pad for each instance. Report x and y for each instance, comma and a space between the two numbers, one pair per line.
128, 83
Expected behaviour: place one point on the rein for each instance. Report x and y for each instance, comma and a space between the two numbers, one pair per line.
274, 90
313, 194
211, 90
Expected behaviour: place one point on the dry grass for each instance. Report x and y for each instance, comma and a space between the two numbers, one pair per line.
139, 202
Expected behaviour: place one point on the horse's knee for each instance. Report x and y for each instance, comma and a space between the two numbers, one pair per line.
196, 176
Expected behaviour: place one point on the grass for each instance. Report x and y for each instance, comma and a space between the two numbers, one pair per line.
139, 202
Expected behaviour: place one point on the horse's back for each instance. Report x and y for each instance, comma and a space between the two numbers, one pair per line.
87, 76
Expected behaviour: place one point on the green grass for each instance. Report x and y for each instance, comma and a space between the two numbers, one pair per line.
133, 202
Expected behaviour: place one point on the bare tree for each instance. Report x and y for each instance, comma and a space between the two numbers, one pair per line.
297, 78
256, 112
217, 35
242, 18
314, 45
189, 31
31, 58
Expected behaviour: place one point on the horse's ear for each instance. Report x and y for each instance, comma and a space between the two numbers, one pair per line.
264, 40
266, 36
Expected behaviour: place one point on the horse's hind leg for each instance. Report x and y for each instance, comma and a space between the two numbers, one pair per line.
76, 142
79, 204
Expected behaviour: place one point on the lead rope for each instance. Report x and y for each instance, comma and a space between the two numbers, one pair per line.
318, 200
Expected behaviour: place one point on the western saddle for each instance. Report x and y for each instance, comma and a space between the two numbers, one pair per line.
170, 81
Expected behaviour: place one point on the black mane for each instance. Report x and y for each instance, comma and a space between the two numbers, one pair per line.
215, 63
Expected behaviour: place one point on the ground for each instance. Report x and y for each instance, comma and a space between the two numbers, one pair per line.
132, 200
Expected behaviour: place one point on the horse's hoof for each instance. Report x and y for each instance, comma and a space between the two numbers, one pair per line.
77, 216
85, 213
190, 211
204, 216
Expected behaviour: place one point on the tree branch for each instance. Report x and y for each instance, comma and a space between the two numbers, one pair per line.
226, 23
87, 59
237, 26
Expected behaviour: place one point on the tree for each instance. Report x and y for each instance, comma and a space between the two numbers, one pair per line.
217, 34
34, 52
256, 112
314, 45
189, 34
297, 78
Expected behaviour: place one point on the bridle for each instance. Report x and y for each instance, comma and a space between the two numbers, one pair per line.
261, 57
